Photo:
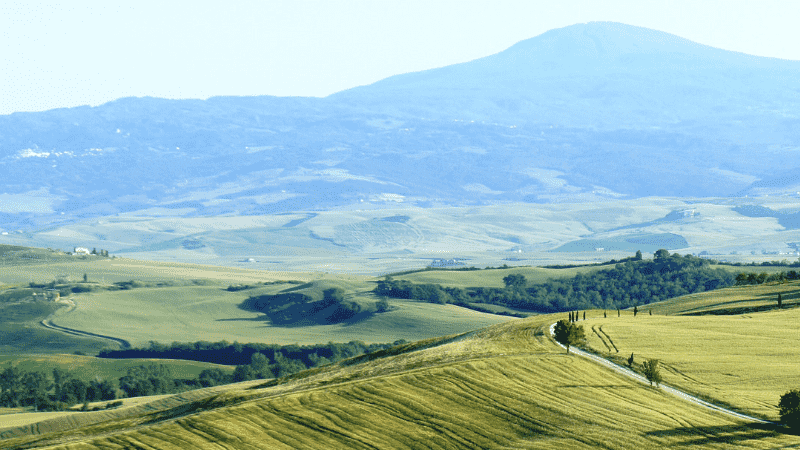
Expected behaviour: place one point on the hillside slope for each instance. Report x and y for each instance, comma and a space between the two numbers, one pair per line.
506, 386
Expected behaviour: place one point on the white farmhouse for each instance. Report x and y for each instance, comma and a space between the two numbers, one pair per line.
82, 251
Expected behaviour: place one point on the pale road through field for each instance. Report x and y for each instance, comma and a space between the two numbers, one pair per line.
47, 323
670, 390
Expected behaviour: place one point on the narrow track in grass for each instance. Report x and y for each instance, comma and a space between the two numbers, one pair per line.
670, 390
48, 323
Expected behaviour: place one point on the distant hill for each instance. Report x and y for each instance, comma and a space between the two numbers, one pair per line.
587, 112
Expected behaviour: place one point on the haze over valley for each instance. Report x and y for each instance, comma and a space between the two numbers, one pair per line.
638, 124
590, 239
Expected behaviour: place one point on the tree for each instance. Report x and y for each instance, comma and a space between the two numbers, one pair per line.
382, 305
789, 408
630, 361
651, 371
780, 301
638, 256
86, 278
515, 281
568, 334
635, 311
660, 255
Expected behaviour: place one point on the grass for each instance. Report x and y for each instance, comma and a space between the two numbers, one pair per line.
89, 367
210, 313
507, 386
745, 360
736, 299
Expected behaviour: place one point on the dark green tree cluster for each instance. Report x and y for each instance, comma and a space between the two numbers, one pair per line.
432, 293
568, 333
237, 354
789, 408
45, 393
635, 282
763, 277
651, 371
289, 308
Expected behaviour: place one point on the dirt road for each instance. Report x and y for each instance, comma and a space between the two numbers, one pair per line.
47, 323
629, 373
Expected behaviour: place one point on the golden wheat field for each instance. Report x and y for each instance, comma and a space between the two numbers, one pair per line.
507, 386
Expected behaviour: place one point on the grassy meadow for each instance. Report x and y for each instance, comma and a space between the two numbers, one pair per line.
745, 360
471, 380
211, 313
506, 386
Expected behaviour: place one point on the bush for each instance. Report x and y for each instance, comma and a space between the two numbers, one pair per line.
789, 407
567, 333
651, 371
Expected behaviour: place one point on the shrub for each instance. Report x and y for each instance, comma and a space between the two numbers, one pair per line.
651, 371
789, 407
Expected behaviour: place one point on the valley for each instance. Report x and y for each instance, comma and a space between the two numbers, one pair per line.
509, 383
508, 380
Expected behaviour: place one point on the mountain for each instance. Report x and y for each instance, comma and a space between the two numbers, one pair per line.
588, 112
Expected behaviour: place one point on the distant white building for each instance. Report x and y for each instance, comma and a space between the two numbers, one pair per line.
446, 263
82, 251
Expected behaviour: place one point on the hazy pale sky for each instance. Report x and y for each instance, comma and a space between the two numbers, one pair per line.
63, 54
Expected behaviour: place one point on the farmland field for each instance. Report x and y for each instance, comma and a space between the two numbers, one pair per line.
745, 360
211, 313
506, 386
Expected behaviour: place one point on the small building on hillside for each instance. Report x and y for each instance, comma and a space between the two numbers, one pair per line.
82, 251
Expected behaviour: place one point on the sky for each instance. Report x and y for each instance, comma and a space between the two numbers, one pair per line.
66, 54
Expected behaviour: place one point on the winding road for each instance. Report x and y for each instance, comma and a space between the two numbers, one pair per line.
48, 323
670, 390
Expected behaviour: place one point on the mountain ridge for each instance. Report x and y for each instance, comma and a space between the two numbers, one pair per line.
683, 119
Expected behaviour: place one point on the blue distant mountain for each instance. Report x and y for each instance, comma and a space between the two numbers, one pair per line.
583, 113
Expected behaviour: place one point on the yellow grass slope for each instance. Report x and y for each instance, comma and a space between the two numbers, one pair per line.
507, 386
746, 360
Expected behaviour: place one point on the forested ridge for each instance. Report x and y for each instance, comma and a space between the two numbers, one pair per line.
634, 282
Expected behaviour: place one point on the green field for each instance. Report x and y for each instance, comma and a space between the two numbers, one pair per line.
508, 386
188, 302
91, 368
211, 313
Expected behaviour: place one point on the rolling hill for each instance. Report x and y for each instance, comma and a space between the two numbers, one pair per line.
505, 386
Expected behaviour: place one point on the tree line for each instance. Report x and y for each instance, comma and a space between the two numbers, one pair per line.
234, 354
763, 277
50, 392
60, 389
634, 282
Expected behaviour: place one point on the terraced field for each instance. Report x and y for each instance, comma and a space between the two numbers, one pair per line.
508, 386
